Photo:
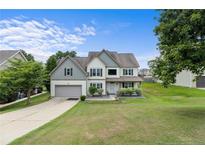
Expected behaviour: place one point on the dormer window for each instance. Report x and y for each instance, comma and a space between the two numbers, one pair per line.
128, 71
68, 71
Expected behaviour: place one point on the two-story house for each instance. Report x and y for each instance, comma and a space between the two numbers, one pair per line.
107, 70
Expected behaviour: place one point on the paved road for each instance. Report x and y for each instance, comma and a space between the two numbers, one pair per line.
17, 123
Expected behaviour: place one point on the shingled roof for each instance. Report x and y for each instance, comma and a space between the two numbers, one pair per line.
122, 59
6, 54
126, 60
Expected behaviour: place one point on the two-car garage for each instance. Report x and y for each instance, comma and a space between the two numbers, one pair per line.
68, 88
70, 91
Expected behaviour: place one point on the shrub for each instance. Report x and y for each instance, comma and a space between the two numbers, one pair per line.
123, 91
129, 91
100, 91
92, 90
138, 92
82, 98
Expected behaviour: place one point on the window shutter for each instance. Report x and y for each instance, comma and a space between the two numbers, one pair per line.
71, 71
91, 72
64, 71
101, 73
123, 71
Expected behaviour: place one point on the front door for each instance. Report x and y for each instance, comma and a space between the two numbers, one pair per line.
113, 88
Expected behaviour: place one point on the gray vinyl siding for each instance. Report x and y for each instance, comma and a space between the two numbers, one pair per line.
77, 73
107, 60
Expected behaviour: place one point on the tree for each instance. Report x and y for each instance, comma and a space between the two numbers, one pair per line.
52, 61
181, 35
29, 56
24, 75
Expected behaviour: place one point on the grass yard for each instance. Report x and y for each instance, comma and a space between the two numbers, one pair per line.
165, 116
22, 104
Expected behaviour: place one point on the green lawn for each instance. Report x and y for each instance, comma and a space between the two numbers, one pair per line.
22, 104
165, 116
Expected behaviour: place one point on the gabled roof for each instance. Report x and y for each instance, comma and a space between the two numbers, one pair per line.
122, 59
5, 55
126, 60
74, 60
94, 54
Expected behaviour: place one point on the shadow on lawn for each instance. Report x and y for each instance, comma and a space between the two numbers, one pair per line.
196, 113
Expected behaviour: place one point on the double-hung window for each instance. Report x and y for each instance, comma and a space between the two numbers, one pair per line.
97, 85
96, 72
68, 71
128, 71
127, 84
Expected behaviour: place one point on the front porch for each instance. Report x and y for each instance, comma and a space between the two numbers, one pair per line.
115, 84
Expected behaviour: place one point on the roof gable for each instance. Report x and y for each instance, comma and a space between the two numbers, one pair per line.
5, 55
116, 59
73, 60
108, 59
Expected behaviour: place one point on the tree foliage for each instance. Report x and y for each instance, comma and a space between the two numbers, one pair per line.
53, 59
181, 35
29, 56
24, 75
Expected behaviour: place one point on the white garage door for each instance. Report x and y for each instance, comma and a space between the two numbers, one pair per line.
70, 91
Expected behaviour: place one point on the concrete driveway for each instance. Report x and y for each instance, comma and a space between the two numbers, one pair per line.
17, 123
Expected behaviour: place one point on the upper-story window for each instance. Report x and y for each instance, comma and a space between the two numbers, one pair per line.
128, 71
112, 71
96, 72
68, 71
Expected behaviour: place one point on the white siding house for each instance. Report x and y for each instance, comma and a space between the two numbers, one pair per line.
188, 79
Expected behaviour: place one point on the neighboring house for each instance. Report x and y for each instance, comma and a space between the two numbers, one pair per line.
6, 55
187, 79
107, 70
146, 75
145, 72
